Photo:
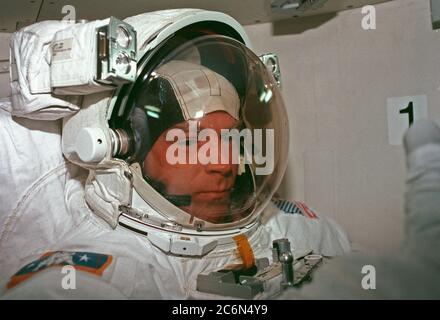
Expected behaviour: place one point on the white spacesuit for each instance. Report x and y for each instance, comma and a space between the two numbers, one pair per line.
134, 220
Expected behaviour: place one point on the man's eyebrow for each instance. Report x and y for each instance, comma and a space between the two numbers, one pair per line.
200, 126
183, 126
237, 125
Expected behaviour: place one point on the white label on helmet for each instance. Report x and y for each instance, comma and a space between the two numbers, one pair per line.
62, 49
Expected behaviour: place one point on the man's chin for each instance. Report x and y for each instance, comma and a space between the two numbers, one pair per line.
211, 213
212, 197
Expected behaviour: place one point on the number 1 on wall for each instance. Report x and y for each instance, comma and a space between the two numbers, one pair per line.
402, 112
410, 111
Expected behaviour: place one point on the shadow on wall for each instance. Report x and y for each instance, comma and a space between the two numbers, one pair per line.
285, 190
297, 25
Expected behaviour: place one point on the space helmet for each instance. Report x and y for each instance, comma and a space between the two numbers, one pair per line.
207, 131
198, 142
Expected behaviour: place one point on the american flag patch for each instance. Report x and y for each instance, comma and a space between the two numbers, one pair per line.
295, 207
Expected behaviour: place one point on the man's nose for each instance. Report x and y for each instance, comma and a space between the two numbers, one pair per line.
224, 164
224, 169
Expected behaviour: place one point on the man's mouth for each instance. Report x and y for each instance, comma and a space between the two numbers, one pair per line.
216, 194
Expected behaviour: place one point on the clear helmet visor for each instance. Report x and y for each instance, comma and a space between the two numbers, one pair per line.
210, 132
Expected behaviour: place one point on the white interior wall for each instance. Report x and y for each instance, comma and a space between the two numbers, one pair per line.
336, 81
4, 55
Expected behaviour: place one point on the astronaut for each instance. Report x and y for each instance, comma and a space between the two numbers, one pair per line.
168, 172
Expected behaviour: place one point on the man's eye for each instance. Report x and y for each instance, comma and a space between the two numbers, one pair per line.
188, 142
226, 138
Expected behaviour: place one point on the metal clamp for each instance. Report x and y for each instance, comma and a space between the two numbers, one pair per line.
282, 254
271, 62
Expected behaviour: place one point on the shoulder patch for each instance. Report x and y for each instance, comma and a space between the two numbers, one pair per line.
295, 207
86, 261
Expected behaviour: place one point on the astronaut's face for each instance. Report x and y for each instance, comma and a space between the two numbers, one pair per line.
209, 185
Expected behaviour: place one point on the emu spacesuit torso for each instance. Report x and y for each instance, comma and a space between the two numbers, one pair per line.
137, 270
132, 218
